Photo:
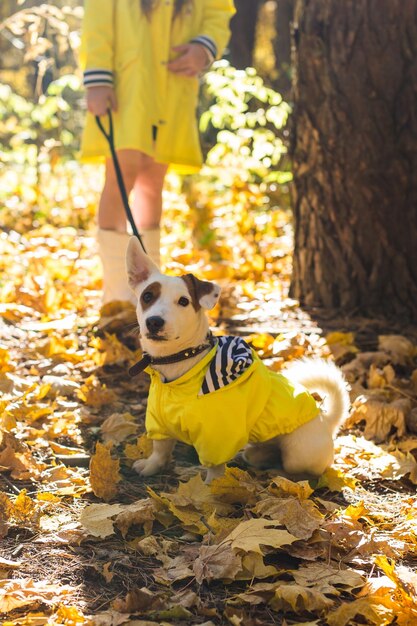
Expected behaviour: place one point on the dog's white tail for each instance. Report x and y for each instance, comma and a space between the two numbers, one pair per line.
318, 375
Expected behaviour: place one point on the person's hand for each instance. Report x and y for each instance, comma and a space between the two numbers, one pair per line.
193, 59
100, 99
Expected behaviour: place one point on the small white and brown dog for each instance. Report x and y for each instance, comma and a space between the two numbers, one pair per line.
216, 394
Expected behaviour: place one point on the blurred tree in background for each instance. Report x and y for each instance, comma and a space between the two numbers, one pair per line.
38, 42
40, 96
261, 38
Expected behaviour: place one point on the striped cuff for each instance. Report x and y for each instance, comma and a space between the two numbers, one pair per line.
96, 78
209, 45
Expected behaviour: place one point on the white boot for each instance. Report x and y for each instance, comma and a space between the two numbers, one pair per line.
151, 238
112, 247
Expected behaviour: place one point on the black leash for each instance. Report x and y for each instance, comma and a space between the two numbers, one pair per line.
110, 140
188, 353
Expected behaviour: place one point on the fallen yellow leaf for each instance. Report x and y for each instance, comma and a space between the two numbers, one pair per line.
118, 427
97, 519
250, 535
104, 473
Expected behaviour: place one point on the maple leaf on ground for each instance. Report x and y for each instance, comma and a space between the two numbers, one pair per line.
374, 609
118, 427
69, 615
6, 364
116, 315
380, 417
6, 506
367, 460
97, 519
220, 527
380, 378
140, 512
196, 493
66, 481
281, 486
235, 486
341, 344
10, 461
19, 592
139, 601
190, 518
251, 534
7, 420
259, 593
390, 596
405, 582
178, 568
25, 510
293, 597
284, 596
64, 450
59, 386
95, 394
111, 350
21, 464
216, 562
104, 473
139, 450
398, 347
335, 480
22, 511
192, 504
114, 618
327, 579
300, 517
253, 567
149, 546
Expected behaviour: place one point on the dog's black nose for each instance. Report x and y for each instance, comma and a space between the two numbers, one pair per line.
154, 323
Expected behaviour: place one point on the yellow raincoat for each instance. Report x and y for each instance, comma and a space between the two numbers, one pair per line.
256, 406
121, 46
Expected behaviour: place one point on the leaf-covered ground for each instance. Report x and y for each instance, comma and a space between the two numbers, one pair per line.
84, 540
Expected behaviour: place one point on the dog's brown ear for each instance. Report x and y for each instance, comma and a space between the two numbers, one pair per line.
139, 265
203, 293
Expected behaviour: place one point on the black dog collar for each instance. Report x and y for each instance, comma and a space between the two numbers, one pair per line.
188, 353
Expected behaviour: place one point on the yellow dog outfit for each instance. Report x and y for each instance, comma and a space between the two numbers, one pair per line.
226, 400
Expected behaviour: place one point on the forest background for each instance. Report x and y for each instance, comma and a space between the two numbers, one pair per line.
306, 198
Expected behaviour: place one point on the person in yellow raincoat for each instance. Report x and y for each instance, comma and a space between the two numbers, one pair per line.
142, 59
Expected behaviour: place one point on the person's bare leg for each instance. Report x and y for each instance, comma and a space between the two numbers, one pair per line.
112, 235
111, 212
147, 205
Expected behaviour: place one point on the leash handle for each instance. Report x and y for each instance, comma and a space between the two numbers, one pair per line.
110, 140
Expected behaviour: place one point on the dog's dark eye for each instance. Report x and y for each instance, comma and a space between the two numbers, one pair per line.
147, 296
183, 301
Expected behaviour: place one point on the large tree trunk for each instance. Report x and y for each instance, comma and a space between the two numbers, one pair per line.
355, 156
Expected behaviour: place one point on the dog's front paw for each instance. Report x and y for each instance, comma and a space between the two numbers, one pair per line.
147, 467
214, 472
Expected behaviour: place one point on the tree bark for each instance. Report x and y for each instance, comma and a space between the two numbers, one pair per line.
355, 156
243, 33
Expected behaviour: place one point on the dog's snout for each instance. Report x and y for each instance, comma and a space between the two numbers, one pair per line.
155, 323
